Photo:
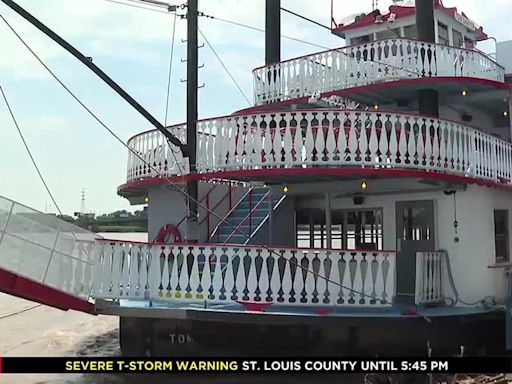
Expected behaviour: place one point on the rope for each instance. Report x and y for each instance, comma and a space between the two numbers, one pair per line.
167, 179
225, 68
20, 312
488, 300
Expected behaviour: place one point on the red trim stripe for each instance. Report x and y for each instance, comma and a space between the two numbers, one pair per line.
18, 286
276, 173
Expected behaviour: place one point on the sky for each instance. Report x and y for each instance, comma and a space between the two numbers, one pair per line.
133, 46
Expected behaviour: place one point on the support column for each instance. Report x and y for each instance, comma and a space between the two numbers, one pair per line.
428, 99
272, 32
328, 220
510, 115
192, 101
270, 236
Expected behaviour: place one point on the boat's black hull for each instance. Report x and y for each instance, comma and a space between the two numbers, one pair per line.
477, 334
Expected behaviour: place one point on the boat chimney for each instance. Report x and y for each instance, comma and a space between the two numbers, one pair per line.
272, 32
428, 99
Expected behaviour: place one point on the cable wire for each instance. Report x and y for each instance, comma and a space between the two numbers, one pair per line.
339, 50
137, 6
225, 68
170, 182
29, 152
306, 18
170, 68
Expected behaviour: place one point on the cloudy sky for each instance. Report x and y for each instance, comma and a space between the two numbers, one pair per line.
133, 46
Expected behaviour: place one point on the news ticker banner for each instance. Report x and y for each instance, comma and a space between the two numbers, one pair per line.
464, 365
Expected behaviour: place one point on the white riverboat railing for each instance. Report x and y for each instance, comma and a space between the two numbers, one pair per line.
151, 154
337, 138
430, 277
230, 274
46, 249
369, 63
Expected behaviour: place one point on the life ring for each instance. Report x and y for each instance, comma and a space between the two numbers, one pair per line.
165, 233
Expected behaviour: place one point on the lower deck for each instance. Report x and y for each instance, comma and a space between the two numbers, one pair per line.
284, 332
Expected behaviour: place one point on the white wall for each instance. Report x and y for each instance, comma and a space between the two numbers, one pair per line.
504, 55
168, 206
472, 255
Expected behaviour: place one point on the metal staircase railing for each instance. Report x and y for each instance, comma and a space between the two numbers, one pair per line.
242, 212
265, 219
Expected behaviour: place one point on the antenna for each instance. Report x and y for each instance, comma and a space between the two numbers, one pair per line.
82, 205
375, 4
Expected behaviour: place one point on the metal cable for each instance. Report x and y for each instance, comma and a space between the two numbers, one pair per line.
137, 6
29, 152
225, 68
169, 181
170, 68
171, 60
339, 50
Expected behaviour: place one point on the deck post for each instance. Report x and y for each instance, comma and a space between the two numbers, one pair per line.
510, 115
428, 99
328, 220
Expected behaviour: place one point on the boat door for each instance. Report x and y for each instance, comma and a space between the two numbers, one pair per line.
414, 232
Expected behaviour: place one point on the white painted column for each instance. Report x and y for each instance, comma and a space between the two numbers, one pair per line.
436, 29
510, 115
450, 36
328, 219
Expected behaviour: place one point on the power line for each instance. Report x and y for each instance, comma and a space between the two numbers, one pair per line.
167, 179
225, 68
306, 18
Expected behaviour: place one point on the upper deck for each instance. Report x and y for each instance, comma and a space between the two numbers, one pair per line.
376, 62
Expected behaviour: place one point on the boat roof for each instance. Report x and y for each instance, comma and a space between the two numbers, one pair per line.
402, 11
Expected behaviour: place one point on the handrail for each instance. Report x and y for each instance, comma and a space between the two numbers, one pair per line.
200, 201
249, 215
257, 246
274, 208
230, 212
209, 210
339, 49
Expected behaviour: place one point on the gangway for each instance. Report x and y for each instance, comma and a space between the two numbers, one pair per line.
44, 258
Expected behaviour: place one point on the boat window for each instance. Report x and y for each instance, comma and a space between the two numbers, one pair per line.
501, 235
388, 33
458, 39
361, 39
416, 224
350, 229
443, 34
411, 31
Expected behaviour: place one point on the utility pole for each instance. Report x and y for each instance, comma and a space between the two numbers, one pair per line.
428, 99
192, 115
